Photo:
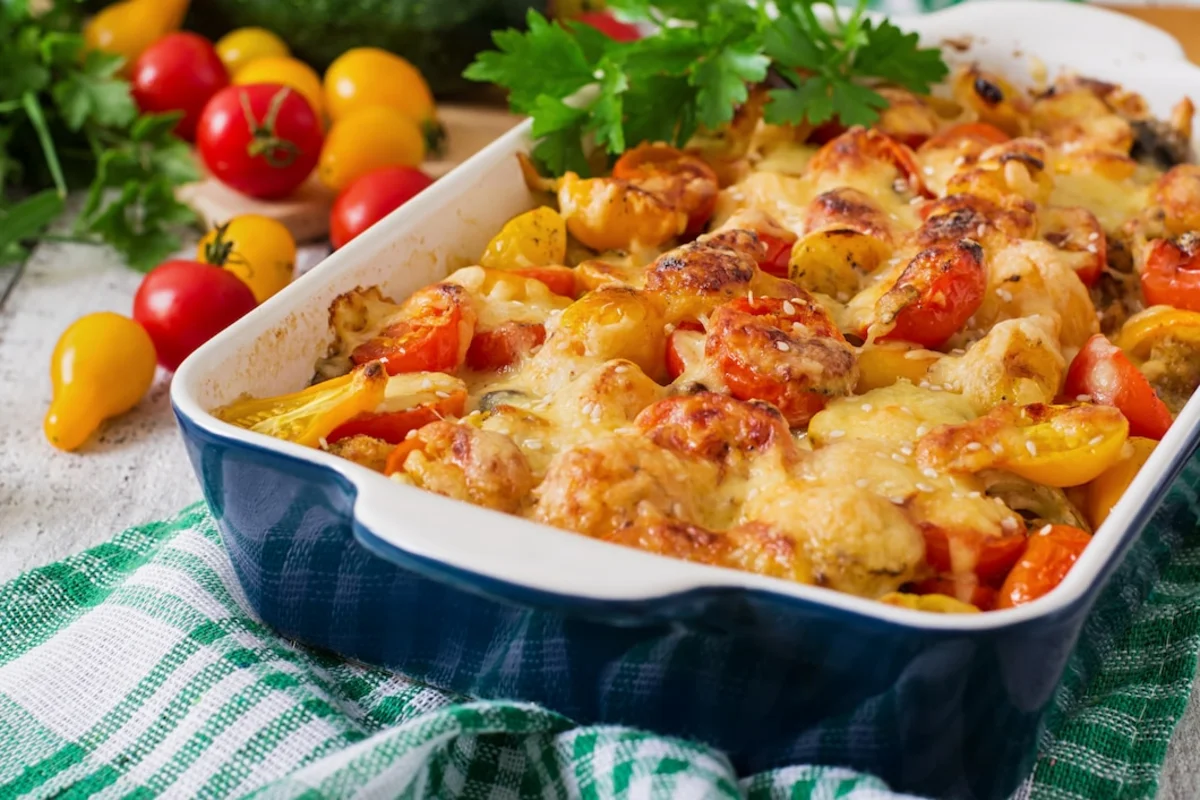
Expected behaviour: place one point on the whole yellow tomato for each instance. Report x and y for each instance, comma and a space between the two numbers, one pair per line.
127, 28
367, 76
258, 249
102, 366
370, 138
238, 48
286, 71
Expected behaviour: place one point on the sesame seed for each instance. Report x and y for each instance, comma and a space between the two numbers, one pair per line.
383, 359
916, 201
788, 308
924, 487
427, 384
922, 430
868, 407
1095, 440
1004, 295
411, 434
1031, 447
324, 443
907, 410
784, 346
928, 170
668, 329
899, 501
924, 384
862, 483
750, 296
997, 448
1091, 248
1008, 524
678, 509
1083, 398
973, 446
930, 472
906, 450
980, 229
1093, 236
899, 459
836, 434
1042, 531
533, 444
440, 393
934, 387
621, 369
975, 495
913, 354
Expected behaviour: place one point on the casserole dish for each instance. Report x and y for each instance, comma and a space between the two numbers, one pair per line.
335, 555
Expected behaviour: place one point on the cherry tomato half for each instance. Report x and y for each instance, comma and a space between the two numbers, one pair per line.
183, 304
991, 556
1171, 276
371, 198
430, 333
394, 426
1048, 558
504, 345
179, 72
935, 295
684, 181
1102, 371
560, 280
262, 140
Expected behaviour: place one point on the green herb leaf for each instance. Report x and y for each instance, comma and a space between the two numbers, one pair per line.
722, 80
894, 55
93, 94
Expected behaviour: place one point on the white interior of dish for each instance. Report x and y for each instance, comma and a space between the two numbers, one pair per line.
274, 349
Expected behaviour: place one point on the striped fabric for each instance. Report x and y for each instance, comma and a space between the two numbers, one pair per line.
135, 670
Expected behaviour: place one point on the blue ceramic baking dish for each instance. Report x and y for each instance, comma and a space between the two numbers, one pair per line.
774, 673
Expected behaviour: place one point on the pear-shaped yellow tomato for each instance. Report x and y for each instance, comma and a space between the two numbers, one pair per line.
238, 48
367, 140
127, 28
258, 249
102, 366
367, 76
537, 238
285, 71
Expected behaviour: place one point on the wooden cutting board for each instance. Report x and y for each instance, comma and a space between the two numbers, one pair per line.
306, 212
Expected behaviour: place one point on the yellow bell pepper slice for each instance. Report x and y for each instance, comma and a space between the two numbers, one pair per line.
308, 416
1104, 492
936, 603
1145, 329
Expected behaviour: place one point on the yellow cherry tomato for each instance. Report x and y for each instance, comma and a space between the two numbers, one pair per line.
1153, 326
308, 416
101, 367
537, 238
127, 28
367, 76
286, 71
238, 48
1104, 492
366, 140
258, 249
881, 364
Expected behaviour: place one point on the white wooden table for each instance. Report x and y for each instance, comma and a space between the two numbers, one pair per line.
53, 504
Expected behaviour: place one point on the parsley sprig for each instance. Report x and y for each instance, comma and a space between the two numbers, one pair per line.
695, 70
68, 120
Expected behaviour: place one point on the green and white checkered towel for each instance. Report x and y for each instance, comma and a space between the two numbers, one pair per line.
136, 669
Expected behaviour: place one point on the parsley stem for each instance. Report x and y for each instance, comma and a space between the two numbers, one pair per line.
38, 120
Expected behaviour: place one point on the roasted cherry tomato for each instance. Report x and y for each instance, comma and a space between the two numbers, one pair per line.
372, 197
1171, 274
560, 280
1076, 230
857, 145
308, 416
238, 48
410, 402
259, 250
285, 71
183, 304
979, 133
685, 181
366, 140
102, 366
1048, 558
261, 140
179, 72
431, 333
1104, 492
989, 557
536, 238
609, 25
504, 345
685, 347
934, 297
1104, 373
779, 254
981, 596
786, 352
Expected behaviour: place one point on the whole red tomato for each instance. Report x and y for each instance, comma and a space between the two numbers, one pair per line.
371, 198
183, 304
262, 139
180, 72
610, 26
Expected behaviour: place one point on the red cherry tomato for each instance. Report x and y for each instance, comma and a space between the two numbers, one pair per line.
611, 27
935, 295
560, 280
978, 133
179, 72
431, 333
262, 139
992, 556
1102, 371
1047, 560
779, 253
183, 304
371, 198
683, 180
503, 346
1171, 276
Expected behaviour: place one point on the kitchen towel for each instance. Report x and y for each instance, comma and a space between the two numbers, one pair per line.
135, 669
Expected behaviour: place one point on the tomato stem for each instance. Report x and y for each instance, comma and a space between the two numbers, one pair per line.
276, 151
217, 251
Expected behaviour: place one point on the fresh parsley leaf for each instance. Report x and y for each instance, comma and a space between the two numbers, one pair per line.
551, 115
789, 45
894, 55
721, 81
562, 151
608, 111
660, 108
812, 101
856, 105
26, 220
92, 93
